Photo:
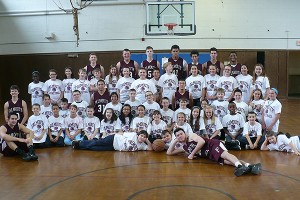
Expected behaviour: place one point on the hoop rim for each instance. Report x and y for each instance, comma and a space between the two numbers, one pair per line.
170, 25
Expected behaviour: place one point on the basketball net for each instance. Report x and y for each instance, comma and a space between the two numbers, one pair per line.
170, 27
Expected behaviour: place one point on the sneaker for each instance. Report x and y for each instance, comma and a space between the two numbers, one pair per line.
240, 170
26, 157
236, 142
33, 156
75, 144
255, 169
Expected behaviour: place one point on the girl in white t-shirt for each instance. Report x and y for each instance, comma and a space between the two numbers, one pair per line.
141, 122
211, 80
280, 142
111, 79
257, 104
212, 124
114, 104
67, 84
124, 121
244, 83
194, 121
181, 123
108, 124
261, 81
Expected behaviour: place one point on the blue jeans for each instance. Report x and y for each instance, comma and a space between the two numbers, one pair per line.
103, 144
68, 141
239, 138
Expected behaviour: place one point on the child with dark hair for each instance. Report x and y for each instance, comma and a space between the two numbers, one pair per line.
156, 126
35, 89
124, 121
281, 142
108, 123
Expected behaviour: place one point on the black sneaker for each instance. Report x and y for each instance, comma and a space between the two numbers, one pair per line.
33, 156
255, 169
75, 144
240, 170
26, 157
237, 142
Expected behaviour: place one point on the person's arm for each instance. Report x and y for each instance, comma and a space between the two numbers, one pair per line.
215, 134
173, 102
6, 111
149, 145
200, 142
102, 71
231, 96
222, 68
92, 100
238, 133
228, 133
191, 100
68, 133
256, 141
25, 112
77, 132
263, 124
95, 133
9, 138
136, 66
172, 151
118, 65
50, 135
267, 94
42, 134
203, 93
264, 146
275, 119
249, 141
294, 148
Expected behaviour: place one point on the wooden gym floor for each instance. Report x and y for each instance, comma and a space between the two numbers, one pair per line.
64, 173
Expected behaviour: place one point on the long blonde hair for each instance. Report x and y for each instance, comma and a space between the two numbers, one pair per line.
213, 117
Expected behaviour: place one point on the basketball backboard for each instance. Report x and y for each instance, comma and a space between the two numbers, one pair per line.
161, 13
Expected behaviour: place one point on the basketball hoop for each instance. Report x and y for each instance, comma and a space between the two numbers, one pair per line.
170, 28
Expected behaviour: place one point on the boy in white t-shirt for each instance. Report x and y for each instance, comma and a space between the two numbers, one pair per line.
184, 109
133, 102
252, 133
54, 87
150, 104
91, 125
81, 104
73, 125
82, 85
168, 81
241, 106
128, 141
64, 111
46, 108
166, 113
35, 89
56, 128
38, 123
124, 84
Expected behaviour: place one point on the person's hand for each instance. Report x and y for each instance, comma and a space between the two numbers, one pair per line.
251, 146
297, 153
191, 157
255, 145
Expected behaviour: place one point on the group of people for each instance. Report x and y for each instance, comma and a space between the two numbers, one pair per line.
200, 109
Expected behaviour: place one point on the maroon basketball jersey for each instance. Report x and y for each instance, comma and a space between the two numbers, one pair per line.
149, 66
199, 66
190, 146
178, 96
89, 70
17, 108
236, 70
100, 102
178, 68
131, 67
14, 132
218, 64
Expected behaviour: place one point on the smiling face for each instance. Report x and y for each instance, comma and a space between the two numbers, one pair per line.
90, 112
181, 136
149, 52
238, 96
12, 120
258, 70
232, 108
213, 55
212, 70
194, 70
180, 118
36, 109
108, 114
227, 71
244, 70
208, 113
35, 77
257, 94
68, 73
141, 111
142, 138
272, 95
126, 110
251, 117
126, 55
272, 139
195, 112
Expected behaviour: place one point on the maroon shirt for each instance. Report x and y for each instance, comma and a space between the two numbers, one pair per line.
178, 96
100, 102
131, 67
218, 64
150, 66
89, 70
17, 108
200, 69
178, 68
14, 132
211, 149
236, 70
